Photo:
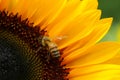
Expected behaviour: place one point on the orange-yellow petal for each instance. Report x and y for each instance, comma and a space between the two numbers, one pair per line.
4, 4
79, 71
102, 75
94, 55
78, 29
101, 28
43, 12
93, 4
53, 14
69, 12
114, 60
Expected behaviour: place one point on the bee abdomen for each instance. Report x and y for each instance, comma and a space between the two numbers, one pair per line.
55, 52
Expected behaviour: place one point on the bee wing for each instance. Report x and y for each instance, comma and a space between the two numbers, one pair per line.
59, 38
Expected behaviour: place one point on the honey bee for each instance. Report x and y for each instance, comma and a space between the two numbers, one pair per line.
52, 47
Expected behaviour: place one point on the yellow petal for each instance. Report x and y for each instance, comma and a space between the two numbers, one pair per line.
30, 8
43, 12
68, 9
72, 9
114, 60
7, 4
93, 4
101, 28
76, 29
67, 15
53, 14
116, 78
78, 71
4, 4
18, 7
94, 55
102, 75
12, 5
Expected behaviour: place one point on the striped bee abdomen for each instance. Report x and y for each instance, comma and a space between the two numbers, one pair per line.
52, 47
54, 52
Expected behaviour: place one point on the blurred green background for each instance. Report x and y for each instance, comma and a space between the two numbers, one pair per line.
111, 8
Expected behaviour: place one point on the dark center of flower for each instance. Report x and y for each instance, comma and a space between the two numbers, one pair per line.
22, 55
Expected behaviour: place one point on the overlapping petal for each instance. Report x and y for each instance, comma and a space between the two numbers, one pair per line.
94, 55
101, 28
102, 75
94, 72
80, 30
83, 44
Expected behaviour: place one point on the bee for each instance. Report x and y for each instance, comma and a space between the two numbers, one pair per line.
52, 47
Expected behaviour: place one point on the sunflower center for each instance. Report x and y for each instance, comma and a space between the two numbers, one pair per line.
22, 54
12, 64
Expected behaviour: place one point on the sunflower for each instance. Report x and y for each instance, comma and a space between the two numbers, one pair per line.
55, 40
